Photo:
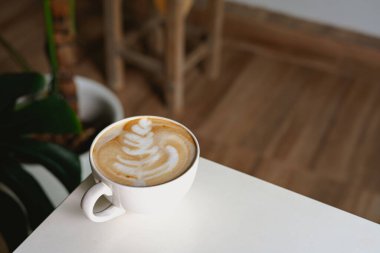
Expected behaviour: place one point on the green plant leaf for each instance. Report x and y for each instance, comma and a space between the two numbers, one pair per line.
28, 190
13, 223
48, 115
14, 86
62, 163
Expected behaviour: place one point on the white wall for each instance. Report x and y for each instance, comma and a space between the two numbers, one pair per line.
357, 15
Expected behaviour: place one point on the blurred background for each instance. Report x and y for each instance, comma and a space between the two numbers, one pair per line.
287, 91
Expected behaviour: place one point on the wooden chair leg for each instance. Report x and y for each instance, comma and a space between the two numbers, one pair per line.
175, 56
215, 10
113, 42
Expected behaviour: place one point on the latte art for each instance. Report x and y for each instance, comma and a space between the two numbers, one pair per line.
140, 142
145, 152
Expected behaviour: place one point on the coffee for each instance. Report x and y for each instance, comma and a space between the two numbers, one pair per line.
144, 151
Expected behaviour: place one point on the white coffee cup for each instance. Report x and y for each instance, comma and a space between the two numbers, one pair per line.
147, 199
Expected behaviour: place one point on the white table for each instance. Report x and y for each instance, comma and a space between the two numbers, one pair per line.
225, 211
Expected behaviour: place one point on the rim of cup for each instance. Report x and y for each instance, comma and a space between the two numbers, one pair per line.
99, 135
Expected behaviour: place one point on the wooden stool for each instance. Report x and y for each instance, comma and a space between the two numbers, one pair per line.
174, 65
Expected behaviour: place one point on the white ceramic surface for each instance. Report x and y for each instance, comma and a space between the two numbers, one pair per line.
225, 211
147, 199
93, 98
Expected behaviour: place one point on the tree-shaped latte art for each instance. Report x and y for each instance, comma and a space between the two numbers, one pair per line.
145, 157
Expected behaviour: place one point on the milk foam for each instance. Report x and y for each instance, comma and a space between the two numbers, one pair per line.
146, 152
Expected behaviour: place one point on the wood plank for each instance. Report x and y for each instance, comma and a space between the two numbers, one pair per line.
240, 157
236, 101
340, 144
205, 95
312, 61
308, 122
364, 163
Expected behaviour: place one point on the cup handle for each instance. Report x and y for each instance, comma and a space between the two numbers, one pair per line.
89, 199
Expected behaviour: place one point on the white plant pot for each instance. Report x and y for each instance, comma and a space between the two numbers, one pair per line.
94, 99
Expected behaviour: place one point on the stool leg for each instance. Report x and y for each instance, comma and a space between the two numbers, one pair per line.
215, 10
113, 42
175, 45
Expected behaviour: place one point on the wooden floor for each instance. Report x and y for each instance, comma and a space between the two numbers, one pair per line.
313, 130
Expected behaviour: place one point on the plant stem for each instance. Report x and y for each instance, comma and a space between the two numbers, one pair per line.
52, 52
62, 12
16, 57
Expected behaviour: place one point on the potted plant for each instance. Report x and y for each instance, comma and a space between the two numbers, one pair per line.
95, 105
45, 117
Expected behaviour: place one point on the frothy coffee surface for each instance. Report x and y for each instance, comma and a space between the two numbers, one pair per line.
145, 151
